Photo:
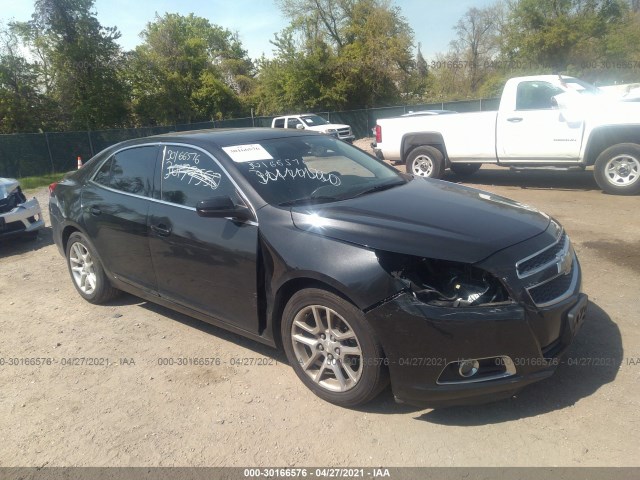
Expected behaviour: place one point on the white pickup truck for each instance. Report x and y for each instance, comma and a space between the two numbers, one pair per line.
543, 121
315, 123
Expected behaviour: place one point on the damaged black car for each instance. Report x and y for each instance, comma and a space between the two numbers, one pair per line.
363, 275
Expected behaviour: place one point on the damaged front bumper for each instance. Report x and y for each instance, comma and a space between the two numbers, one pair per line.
24, 218
432, 351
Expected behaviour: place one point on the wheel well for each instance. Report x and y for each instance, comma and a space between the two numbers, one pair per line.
287, 291
605, 137
412, 140
66, 233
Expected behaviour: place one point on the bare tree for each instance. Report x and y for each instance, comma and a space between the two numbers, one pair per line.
475, 44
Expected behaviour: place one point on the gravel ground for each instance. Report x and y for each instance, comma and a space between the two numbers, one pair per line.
135, 412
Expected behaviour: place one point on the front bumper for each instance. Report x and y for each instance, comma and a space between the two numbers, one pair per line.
25, 218
420, 341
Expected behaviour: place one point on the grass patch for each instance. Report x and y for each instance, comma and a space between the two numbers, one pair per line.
27, 183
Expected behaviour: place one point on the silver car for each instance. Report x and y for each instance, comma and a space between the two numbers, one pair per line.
18, 216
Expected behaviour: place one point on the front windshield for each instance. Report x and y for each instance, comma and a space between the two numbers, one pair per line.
310, 169
313, 120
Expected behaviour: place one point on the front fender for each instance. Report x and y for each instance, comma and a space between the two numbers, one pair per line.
352, 270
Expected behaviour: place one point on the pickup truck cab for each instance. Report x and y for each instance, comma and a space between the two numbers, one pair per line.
315, 123
542, 121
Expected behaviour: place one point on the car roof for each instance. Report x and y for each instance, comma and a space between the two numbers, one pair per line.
218, 137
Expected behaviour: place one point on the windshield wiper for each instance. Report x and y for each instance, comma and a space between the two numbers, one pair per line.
308, 201
378, 188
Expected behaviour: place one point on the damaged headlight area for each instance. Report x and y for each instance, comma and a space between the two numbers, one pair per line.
11, 199
444, 283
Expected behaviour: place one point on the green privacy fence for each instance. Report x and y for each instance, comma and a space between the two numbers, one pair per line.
31, 154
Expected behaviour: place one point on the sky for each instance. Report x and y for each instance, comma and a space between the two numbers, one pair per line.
257, 20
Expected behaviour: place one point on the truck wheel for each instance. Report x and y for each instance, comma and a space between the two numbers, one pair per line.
425, 161
617, 169
465, 169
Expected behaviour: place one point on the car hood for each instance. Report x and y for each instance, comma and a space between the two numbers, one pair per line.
7, 185
426, 218
322, 128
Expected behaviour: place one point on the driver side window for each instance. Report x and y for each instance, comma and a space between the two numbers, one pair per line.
536, 96
293, 123
189, 176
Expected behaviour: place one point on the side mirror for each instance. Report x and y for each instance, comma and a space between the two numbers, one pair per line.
299, 127
222, 207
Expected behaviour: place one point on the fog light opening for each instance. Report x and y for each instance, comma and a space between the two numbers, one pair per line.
468, 368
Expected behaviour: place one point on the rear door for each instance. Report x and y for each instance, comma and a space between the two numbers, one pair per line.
115, 204
207, 264
536, 131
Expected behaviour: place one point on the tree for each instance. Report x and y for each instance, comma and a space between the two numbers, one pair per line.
80, 60
296, 79
475, 44
422, 69
563, 34
358, 54
188, 69
318, 20
23, 107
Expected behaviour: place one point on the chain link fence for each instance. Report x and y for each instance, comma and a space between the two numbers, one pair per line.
32, 154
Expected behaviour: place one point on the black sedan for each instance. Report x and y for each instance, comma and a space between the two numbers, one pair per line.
362, 274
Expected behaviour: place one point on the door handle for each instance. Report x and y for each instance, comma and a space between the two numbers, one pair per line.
95, 211
161, 229
514, 119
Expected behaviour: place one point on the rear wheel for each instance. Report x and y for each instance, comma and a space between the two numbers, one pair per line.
425, 161
86, 271
617, 169
332, 348
465, 169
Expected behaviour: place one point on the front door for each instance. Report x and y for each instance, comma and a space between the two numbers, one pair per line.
207, 264
537, 131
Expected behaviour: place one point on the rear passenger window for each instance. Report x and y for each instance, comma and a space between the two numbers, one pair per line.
104, 174
189, 176
129, 171
278, 123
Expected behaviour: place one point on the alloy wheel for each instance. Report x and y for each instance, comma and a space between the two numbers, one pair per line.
82, 268
327, 348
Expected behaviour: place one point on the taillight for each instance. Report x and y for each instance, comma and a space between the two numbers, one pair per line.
378, 134
52, 187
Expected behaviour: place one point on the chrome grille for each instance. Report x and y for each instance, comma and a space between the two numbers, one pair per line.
344, 132
555, 269
543, 259
549, 292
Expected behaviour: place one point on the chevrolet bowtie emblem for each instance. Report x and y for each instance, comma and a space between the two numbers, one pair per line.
563, 262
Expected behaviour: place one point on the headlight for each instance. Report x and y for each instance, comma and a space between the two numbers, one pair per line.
12, 199
443, 283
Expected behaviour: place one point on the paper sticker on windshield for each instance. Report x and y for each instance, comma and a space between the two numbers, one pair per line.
247, 153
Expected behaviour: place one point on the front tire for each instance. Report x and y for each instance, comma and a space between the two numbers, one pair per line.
87, 273
617, 169
332, 349
425, 161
